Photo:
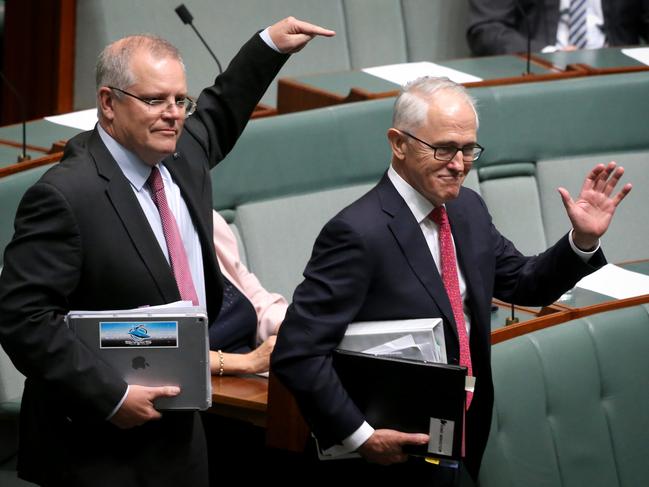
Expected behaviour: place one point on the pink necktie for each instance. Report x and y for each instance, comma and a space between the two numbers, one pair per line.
175, 247
452, 285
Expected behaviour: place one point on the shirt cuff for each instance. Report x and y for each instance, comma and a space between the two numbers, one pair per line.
583, 255
265, 36
119, 404
352, 442
550, 49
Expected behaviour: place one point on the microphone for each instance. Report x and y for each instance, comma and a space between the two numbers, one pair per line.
528, 27
187, 18
23, 115
513, 319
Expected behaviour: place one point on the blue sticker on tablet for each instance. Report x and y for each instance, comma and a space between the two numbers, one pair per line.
128, 334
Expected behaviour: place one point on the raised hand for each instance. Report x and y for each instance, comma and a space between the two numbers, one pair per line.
291, 35
591, 213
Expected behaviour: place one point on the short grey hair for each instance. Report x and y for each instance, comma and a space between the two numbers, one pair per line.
113, 64
411, 106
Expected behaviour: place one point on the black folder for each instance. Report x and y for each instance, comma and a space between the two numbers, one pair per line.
409, 396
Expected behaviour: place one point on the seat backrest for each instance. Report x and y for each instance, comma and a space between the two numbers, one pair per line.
278, 234
368, 33
12, 189
512, 196
572, 405
627, 237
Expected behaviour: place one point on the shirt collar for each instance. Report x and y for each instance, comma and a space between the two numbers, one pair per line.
135, 170
419, 206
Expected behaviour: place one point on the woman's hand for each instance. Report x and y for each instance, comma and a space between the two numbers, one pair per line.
244, 363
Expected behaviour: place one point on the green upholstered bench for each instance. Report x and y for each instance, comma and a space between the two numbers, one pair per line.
289, 174
368, 33
539, 136
572, 405
12, 189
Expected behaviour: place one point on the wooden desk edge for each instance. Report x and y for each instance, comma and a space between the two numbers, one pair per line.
32, 163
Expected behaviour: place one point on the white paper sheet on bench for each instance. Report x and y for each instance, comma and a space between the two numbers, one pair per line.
638, 53
83, 119
616, 282
405, 72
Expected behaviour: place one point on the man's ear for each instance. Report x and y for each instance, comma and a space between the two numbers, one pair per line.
105, 101
397, 143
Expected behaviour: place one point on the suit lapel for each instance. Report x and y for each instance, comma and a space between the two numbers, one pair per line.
412, 243
120, 194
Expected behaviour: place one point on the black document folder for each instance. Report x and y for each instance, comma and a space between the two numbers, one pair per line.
409, 396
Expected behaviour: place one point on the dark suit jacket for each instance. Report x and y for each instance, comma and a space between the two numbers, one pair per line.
498, 26
371, 262
82, 242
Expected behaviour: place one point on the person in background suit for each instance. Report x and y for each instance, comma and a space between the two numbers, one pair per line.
125, 220
501, 26
380, 259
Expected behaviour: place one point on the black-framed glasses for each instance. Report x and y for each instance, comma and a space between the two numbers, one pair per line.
470, 153
158, 105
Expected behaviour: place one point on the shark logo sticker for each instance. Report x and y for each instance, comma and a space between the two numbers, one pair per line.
129, 334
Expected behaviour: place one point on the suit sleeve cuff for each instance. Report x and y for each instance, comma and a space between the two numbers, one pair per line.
583, 255
119, 404
265, 36
352, 442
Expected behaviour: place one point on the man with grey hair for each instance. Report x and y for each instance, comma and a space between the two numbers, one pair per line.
125, 220
420, 245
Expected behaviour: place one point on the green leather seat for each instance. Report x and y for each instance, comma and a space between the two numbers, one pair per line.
572, 405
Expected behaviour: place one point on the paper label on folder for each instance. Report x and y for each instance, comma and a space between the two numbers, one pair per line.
441, 436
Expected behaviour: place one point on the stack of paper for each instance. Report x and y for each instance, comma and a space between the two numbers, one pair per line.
616, 282
421, 339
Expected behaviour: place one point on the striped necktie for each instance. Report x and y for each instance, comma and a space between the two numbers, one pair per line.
577, 23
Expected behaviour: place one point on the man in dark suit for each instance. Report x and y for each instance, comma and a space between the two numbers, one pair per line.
380, 259
501, 26
89, 235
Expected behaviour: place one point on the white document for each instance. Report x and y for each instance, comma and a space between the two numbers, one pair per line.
420, 339
640, 54
83, 120
177, 307
405, 72
616, 282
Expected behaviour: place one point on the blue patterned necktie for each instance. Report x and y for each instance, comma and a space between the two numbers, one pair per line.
577, 23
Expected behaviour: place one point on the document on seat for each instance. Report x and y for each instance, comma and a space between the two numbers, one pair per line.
612, 280
418, 339
640, 54
405, 72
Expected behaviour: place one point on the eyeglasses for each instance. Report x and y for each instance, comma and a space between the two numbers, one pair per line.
184, 104
470, 153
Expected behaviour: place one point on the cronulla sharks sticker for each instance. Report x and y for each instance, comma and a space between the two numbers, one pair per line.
129, 334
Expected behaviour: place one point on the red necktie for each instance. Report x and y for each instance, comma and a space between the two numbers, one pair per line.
175, 247
452, 285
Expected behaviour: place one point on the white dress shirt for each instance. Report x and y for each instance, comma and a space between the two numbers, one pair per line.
595, 37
